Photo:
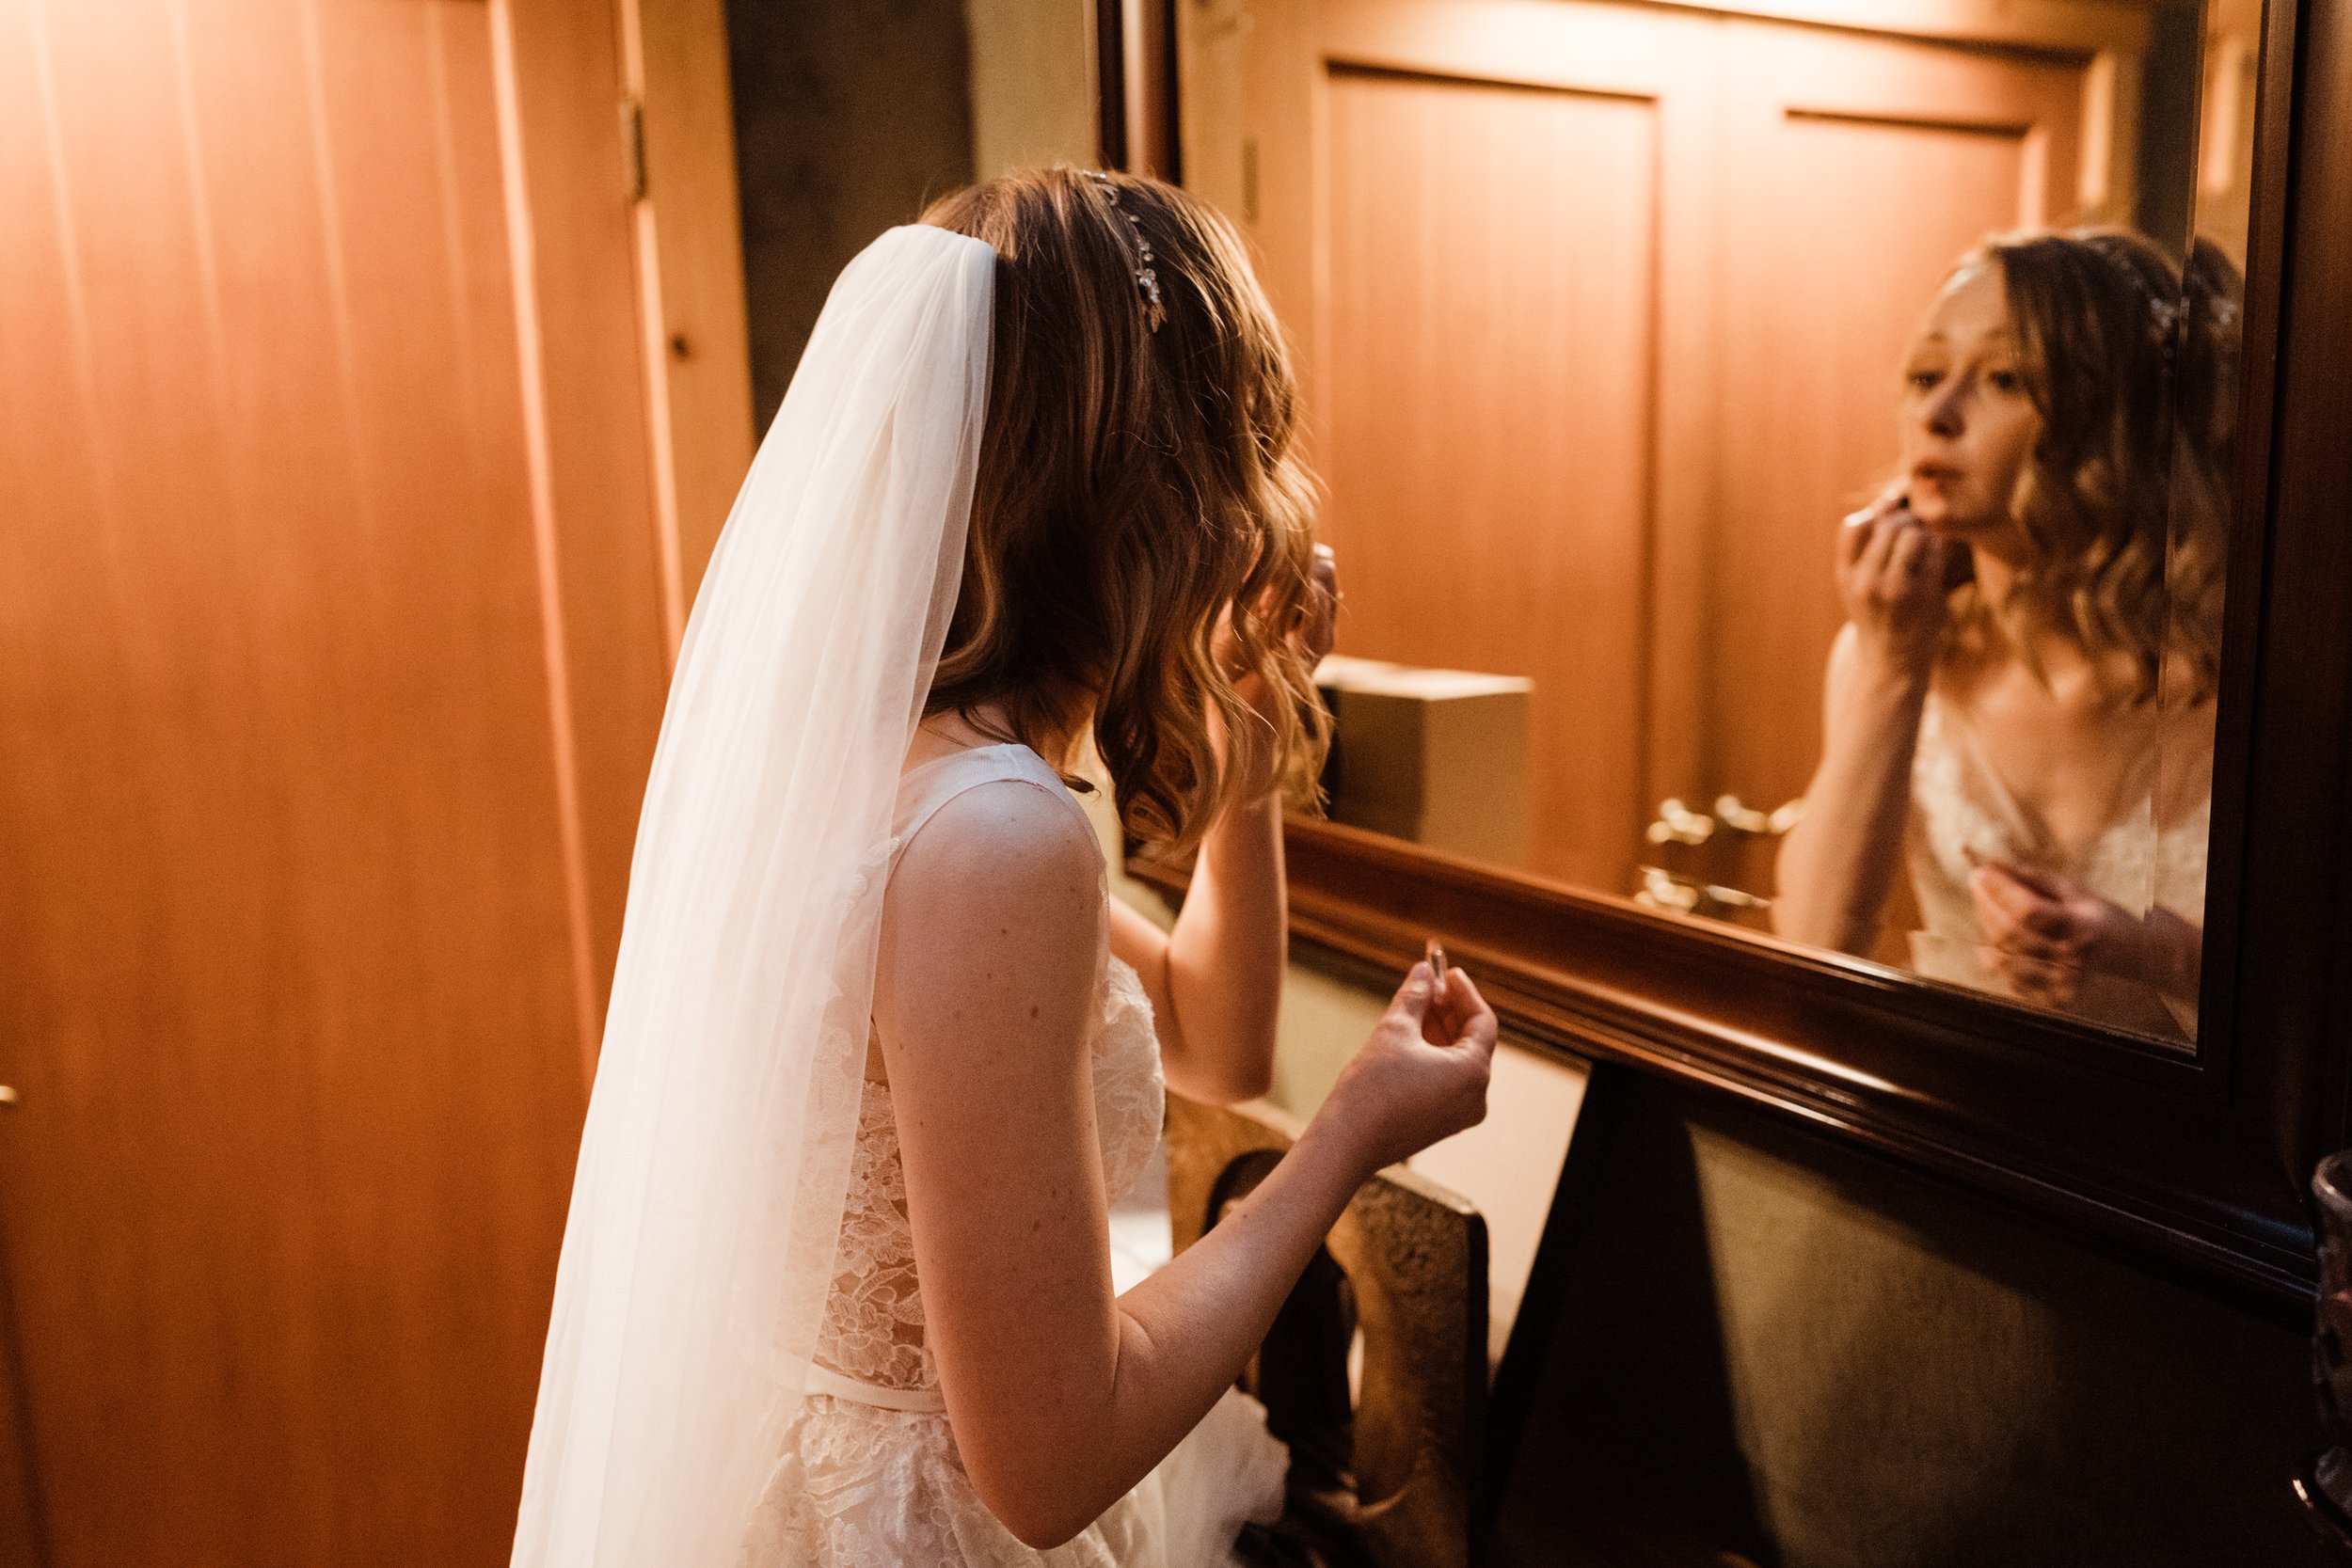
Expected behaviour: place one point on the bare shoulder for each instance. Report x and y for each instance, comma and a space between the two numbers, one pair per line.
1004, 838
1002, 873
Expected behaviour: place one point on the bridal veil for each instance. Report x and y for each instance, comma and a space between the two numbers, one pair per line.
716, 1156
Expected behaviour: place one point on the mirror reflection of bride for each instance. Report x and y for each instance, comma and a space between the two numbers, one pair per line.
837, 1286
2020, 705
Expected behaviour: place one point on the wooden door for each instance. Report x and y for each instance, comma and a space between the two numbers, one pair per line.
1476, 242
330, 660
1858, 170
1493, 257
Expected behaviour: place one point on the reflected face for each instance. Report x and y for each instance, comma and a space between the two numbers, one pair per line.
1968, 426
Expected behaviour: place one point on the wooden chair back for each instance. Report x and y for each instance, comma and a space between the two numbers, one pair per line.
1375, 1372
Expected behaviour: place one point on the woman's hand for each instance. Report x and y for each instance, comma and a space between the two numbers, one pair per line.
1892, 577
1421, 1074
2043, 933
1314, 633
1322, 626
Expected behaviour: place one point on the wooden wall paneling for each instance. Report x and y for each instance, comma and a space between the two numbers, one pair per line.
568, 203
2081, 27
1212, 129
1280, 150
690, 269
1605, 424
23, 1519
1688, 481
2225, 133
295, 1005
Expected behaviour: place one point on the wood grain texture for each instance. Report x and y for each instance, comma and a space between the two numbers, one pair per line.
1492, 280
690, 257
1384, 1475
564, 145
295, 999
23, 1515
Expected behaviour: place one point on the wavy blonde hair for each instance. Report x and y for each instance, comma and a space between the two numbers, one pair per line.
1142, 538
2131, 363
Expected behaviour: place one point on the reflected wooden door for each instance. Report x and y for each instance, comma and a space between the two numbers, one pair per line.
330, 661
1858, 170
1493, 258
1475, 234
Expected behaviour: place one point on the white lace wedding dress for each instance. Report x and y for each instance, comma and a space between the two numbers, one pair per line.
868, 1476
1962, 811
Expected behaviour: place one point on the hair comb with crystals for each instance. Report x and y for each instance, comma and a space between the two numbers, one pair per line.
1147, 275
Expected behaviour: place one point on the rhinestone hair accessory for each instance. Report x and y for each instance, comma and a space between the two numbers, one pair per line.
1147, 277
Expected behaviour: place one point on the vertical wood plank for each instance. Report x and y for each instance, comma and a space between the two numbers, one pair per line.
565, 75
1493, 287
690, 248
293, 998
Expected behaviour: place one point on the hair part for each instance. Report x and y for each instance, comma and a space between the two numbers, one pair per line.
1141, 544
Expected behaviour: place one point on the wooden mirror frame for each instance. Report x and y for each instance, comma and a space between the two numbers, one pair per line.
2194, 1164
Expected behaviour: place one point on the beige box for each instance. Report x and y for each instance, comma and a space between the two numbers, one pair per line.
1437, 756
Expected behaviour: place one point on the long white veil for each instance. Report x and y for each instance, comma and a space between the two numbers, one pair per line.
715, 1161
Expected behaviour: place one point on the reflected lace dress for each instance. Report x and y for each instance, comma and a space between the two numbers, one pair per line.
868, 1476
1962, 807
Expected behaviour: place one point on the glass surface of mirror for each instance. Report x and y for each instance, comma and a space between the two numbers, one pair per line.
1778, 455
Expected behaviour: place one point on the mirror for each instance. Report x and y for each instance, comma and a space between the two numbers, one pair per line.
1778, 455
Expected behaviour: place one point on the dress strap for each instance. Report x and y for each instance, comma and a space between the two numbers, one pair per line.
922, 1402
928, 786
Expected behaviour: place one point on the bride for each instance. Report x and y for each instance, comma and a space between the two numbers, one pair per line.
837, 1285
2021, 703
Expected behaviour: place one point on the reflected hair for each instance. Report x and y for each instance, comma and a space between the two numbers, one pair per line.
1142, 537
2131, 364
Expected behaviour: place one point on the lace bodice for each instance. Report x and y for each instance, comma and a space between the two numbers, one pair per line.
873, 1329
867, 1474
1963, 813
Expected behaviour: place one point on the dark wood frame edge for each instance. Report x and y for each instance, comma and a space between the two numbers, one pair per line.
2193, 1167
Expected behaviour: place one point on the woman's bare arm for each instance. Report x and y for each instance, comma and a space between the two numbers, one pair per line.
1215, 980
1838, 864
1062, 1397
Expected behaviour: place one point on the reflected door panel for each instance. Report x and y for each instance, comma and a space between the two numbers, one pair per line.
1493, 252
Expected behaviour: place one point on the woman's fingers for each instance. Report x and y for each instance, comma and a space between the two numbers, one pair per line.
1854, 538
1904, 556
1456, 1013
1417, 997
2053, 985
1889, 502
1872, 566
1469, 1020
2017, 919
